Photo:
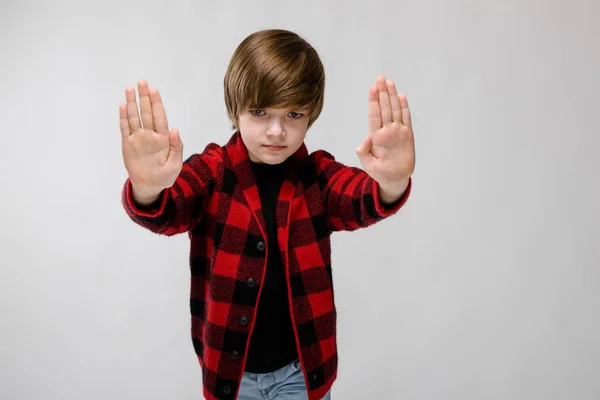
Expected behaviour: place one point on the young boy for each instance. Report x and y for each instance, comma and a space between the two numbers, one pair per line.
259, 212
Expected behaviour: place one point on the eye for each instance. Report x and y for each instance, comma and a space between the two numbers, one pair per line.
296, 115
256, 112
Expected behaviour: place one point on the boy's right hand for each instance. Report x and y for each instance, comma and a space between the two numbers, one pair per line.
153, 155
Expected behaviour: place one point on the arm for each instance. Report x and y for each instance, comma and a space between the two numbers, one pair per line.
352, 198
176, 209
388, 152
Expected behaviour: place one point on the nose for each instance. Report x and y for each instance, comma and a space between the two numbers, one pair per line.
275, 129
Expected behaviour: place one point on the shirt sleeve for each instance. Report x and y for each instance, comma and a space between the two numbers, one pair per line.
180, 207
351, 196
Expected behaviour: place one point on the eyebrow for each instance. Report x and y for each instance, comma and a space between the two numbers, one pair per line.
303, 109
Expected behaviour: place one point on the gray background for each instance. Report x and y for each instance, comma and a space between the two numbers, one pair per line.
485, 286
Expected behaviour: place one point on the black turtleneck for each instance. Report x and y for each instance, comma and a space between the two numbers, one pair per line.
272, 345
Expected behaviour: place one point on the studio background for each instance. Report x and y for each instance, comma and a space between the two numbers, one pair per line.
486, 285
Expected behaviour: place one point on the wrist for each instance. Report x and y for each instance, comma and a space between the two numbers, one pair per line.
144, 196
391, 192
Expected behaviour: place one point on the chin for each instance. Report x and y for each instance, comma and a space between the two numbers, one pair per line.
274, 161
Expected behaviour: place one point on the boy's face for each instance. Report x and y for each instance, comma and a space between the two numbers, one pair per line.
271, 135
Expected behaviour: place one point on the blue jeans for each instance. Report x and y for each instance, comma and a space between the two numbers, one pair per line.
286, 383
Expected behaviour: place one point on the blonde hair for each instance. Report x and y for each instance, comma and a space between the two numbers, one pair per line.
274, 68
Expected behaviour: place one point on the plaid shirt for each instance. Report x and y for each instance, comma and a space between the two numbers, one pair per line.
215, 200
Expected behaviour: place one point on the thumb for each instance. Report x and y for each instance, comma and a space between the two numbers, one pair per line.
364, 149
175, 143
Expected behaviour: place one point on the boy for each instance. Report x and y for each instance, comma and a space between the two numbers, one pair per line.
259, 212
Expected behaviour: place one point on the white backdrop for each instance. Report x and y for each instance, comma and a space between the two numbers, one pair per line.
485, 286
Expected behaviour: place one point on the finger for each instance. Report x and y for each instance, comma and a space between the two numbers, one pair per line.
145, 106
365, 147
161, 125
125, 130
132, 110
176, 146
374, 111
395, 101
384, 101
406, 117
363, 151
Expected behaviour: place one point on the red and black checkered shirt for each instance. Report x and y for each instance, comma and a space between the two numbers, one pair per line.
215, 199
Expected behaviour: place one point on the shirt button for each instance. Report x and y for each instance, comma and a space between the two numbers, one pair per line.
251, 282
234, 355
226, 390
244, 321
260, 246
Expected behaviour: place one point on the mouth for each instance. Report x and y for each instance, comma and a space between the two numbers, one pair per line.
273, 147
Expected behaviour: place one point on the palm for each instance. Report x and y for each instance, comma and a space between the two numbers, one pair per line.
147, 151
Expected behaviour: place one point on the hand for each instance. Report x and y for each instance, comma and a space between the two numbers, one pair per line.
388, 152
153, 155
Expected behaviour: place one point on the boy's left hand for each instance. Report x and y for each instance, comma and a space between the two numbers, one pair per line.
388, 152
